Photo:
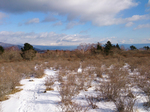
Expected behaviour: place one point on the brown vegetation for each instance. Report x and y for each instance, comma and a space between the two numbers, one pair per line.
116, 85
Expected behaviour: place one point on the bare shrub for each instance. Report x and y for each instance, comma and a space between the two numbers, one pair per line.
10, 56
91, 100
49, 81
116, 88
9, 79
72, 107
144, 82
39, 71
68, 90
98, 72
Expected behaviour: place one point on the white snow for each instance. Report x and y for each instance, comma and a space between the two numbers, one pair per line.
79, 70
33, 99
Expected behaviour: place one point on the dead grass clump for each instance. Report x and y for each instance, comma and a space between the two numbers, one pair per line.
98, 72
68, 90
49, 81
91, 100
116, 88
9, 79
72, 107
144, 82
10, 55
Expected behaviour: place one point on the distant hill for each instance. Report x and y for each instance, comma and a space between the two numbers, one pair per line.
138, 46
55, 47
40, 48
6, 45
17, 47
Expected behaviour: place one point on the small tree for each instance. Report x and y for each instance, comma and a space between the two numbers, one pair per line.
146, 47
99, 47
117, 46
133, 47
28, 53
107, 47
1, 50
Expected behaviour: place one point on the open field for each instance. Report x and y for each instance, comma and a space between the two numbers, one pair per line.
71, 81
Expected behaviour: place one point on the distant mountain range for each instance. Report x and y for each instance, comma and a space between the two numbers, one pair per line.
40, 48
7, 45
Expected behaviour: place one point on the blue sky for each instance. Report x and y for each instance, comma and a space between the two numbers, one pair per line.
72, 22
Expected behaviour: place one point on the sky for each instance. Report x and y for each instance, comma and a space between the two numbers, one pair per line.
72, 22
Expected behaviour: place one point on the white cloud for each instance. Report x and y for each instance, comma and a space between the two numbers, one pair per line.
122, 41
48, 38
59, 23
138, 17
49, 18
72, 24
142, 26
34, 20
149, 2
104, 40
99, 12
131, 40
129, 24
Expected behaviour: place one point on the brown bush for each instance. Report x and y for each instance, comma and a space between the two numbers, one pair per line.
10, 55
116, 88
49, 81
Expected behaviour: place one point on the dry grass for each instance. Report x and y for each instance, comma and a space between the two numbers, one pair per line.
49, 81
144, 82
115, 87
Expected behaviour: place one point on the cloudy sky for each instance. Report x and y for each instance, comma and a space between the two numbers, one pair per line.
71, 22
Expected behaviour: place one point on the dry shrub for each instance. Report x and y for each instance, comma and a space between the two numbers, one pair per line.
91, 100
9, 79
98, 72
116, 88
10, 56
12, 73
39, 71
68, 90
72, 107
144, 82
84, 80
49, 81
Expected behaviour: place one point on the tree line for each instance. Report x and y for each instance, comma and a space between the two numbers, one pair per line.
28, 52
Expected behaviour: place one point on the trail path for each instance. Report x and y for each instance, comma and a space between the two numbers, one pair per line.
32, 98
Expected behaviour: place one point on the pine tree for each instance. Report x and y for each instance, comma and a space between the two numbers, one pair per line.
1, 50
107, 47
146, 47
28, 52
117, 46
99, 47
133, 47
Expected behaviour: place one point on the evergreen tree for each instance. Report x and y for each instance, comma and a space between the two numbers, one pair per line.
28, 53
117, 46
133, 47
107, 47
146, 47
99, 47
26, 47
1, 50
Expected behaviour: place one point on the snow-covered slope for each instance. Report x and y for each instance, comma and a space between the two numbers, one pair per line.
32, 98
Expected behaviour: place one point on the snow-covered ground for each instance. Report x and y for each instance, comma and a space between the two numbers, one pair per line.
33, 99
